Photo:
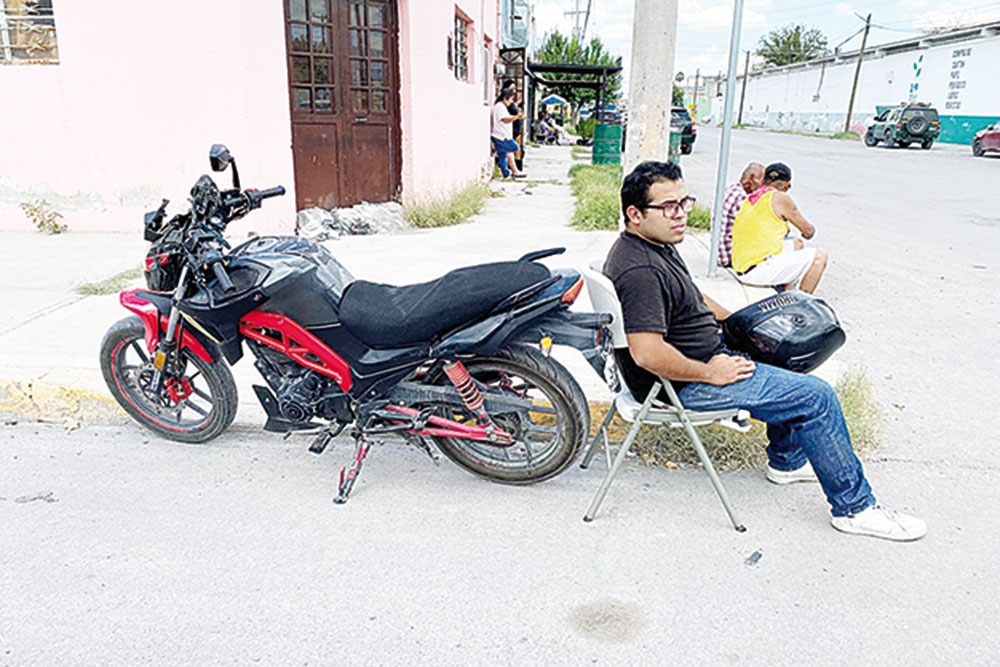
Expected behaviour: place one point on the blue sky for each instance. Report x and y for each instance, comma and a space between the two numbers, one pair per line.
704, 25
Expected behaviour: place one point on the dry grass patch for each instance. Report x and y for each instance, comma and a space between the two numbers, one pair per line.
732, 450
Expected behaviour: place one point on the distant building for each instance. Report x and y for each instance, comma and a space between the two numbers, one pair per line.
341, 101
955, 71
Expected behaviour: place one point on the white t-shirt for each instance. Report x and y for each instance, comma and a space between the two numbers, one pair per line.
501, 130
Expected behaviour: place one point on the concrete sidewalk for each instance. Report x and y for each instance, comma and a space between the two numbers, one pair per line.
50, 334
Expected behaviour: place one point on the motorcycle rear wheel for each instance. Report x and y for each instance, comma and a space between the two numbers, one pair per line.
208, 394
546, 439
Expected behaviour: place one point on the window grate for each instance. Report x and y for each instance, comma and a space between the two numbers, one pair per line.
461, 48
27, 32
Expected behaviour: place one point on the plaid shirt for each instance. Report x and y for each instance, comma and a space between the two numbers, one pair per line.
732, 199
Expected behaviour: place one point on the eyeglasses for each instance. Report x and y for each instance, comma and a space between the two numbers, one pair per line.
671, 208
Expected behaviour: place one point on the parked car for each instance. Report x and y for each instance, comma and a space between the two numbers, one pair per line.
681, 121
987, 140
903, 125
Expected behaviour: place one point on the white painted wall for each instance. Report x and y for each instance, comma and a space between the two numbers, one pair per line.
786, 99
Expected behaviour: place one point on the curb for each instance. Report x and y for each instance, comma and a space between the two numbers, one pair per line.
69, 405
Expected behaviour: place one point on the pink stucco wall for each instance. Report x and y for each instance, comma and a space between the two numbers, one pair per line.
445, 122
141, 92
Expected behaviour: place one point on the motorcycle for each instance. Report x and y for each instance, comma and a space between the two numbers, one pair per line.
461, 362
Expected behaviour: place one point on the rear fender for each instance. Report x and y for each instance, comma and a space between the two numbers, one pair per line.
150, 309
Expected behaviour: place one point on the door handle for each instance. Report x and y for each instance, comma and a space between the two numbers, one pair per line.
361, 119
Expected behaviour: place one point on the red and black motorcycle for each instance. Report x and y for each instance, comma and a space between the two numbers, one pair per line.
461, 361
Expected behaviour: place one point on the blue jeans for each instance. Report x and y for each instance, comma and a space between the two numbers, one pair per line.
804, 422
502, 147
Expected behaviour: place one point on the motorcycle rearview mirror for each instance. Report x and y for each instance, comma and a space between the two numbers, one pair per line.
220, 158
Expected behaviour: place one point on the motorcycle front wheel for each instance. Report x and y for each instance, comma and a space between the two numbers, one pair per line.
547, 437
193, 406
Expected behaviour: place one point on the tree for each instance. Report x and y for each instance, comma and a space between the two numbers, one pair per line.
678, 96
562, 50
792, 44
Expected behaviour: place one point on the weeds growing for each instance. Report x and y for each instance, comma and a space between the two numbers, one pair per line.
110, 285
44, 218
453, 210
597, 191
732, 450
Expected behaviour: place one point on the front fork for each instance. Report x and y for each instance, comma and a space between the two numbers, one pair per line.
161, 357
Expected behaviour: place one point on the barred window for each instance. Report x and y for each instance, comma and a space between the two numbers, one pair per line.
27, 32
461, 45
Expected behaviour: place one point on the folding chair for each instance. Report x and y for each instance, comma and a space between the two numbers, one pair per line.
650, 411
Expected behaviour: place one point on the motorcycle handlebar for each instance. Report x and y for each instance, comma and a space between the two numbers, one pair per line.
272, 192
220, 274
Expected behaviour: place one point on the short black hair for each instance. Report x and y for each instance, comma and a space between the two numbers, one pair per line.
635, 187
507, 83
777, 171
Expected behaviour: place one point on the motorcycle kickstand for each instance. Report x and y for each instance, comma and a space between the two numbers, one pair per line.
348, 477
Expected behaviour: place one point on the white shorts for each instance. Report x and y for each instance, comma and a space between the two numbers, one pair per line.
787, 267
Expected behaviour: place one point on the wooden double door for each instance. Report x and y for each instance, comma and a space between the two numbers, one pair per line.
343, 73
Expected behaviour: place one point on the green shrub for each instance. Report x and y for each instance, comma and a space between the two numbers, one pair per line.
597, 190
586, 128
700, 217
450, 210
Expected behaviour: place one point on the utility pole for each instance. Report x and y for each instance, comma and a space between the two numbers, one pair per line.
857, 73
743, 92
651, 81
697, 75
576, 18
727, 127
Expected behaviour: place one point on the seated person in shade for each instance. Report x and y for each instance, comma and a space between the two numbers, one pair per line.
763, 254
672, 333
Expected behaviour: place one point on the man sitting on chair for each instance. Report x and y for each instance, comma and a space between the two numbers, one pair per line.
673, 333
763, 252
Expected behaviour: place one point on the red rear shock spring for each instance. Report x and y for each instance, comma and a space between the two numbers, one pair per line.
469, 392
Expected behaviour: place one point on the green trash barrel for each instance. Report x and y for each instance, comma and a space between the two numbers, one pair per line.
675, 147
607, 144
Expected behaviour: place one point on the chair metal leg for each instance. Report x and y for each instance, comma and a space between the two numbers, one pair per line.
602, 432
703, 455
622, 451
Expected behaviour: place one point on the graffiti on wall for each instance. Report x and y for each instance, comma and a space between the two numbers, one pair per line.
957, 82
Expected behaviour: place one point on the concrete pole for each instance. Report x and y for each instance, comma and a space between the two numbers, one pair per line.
651, 81
857, 73
727, 130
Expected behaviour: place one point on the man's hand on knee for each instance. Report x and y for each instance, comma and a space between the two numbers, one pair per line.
726, 369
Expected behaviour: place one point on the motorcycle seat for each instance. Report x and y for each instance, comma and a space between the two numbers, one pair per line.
390, 316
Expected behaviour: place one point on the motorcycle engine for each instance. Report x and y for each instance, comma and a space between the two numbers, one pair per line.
301, 393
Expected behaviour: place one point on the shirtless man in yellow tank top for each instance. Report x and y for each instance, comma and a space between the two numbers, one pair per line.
762, 255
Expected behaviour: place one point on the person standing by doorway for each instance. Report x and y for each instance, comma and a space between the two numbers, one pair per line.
502, 134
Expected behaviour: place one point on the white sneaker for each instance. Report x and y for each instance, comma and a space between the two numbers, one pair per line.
803, 474
879, 521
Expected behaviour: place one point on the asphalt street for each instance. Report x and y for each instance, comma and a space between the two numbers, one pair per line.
122, 548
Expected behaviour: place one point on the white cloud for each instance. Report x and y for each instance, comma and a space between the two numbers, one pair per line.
843, 9
698, 15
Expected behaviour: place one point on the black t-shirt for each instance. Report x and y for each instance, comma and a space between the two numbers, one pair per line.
518, 124
657, 294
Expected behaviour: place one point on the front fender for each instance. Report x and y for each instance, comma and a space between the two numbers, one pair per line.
149, 309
